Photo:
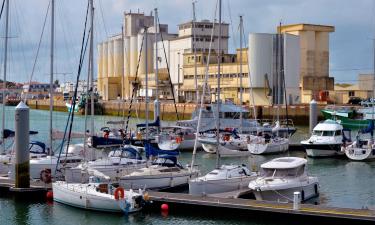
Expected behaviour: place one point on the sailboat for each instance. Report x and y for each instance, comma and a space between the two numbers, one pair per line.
223, 178
267, 142
165, 171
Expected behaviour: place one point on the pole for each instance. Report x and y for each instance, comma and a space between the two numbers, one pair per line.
123, 67
195, 57
91, 69
21, 143
5, 72
218, 93
178, 78
146, 78
51, 76
241, 91
156, 56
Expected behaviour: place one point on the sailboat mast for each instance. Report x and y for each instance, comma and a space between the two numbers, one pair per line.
195, 56
241, 91
156, 56
146, 81
218, 92
51, 74
91, 68
5, 72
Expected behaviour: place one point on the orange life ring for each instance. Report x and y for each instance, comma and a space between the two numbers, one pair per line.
45, 176
119, 193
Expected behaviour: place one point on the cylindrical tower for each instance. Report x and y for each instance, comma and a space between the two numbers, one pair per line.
118, 61
105, 59
110, 59
133, 59
127, 56
260, 58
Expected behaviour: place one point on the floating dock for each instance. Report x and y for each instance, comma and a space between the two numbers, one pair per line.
262, 210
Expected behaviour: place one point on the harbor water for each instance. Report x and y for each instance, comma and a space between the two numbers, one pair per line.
343, 183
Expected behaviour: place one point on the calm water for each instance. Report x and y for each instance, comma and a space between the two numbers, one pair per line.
343, 184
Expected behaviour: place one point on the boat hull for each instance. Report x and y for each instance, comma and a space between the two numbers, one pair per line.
323, 150
203, 187
360, 154
273, 147
286, 195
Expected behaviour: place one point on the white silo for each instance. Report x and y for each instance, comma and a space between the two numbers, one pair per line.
118, 61
133, 55
142, 61
105, 59
260, 58
126, 56
100, 60
110, 59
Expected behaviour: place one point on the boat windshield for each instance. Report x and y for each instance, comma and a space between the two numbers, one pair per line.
292, 172
324, 133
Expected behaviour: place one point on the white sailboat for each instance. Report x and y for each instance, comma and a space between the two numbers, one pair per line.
224, 178
272, 142
97, 196
281, 177
362, 149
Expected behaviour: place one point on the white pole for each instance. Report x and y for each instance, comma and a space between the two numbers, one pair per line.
51, 76
91, 69
5, 72
195, 56
156, 56
241, 91
146, 78
218, 93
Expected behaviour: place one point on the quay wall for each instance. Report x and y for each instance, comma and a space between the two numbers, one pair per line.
298, 113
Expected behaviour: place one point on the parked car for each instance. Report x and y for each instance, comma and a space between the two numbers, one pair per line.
355, 100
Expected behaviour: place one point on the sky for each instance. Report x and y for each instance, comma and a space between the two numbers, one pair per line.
351, 45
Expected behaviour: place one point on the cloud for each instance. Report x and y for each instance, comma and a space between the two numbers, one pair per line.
351, 45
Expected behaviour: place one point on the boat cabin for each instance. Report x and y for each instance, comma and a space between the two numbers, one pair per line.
284, 167
328, 128
167, 161
126, 152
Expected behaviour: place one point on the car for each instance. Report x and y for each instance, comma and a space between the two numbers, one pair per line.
355, 100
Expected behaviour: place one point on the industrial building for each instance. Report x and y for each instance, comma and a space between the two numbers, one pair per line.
305, 51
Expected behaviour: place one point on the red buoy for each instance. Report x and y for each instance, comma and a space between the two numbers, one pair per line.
164, 207
49, 195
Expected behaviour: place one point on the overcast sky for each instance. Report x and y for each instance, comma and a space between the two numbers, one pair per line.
351, 45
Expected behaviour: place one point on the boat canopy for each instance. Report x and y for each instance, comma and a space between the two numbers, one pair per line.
284, 163
328, 125
155, 151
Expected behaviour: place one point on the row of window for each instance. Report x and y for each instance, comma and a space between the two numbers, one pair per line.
187, 26
232, 75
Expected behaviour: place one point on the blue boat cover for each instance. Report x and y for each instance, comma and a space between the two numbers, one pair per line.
155, 151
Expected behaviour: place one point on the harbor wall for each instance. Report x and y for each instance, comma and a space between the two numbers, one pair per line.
298, 113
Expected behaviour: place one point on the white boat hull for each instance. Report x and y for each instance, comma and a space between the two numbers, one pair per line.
286, 195
273, 147
360, 154
80, 197
203, 187
322, 153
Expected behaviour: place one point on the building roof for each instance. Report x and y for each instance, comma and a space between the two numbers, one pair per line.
306, 27
202, 22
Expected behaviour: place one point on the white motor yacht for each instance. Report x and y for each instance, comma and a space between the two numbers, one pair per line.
281, 177
164, 172
97, 196
326, 140
224, 179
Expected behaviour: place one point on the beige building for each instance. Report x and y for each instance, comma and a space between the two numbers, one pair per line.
314, 61
363, 89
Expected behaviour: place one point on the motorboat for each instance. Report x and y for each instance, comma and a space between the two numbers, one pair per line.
227, 178
97, 196
281, 177
362, 149
326, 140
210, 145
164, 172
120, 161
176, 137
229, 118
267, 144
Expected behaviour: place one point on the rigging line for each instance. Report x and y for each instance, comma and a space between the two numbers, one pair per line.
71, 115
2, 8
135, 86
102, 16
169, 73
205, 88
231, 22
39, 45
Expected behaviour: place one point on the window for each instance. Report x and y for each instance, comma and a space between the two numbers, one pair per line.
351, 93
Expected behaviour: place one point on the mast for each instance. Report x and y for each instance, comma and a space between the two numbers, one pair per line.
195, 56
91, 68
156, 56
218, 92
51, 75
146, 78
5, 72
241, 91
